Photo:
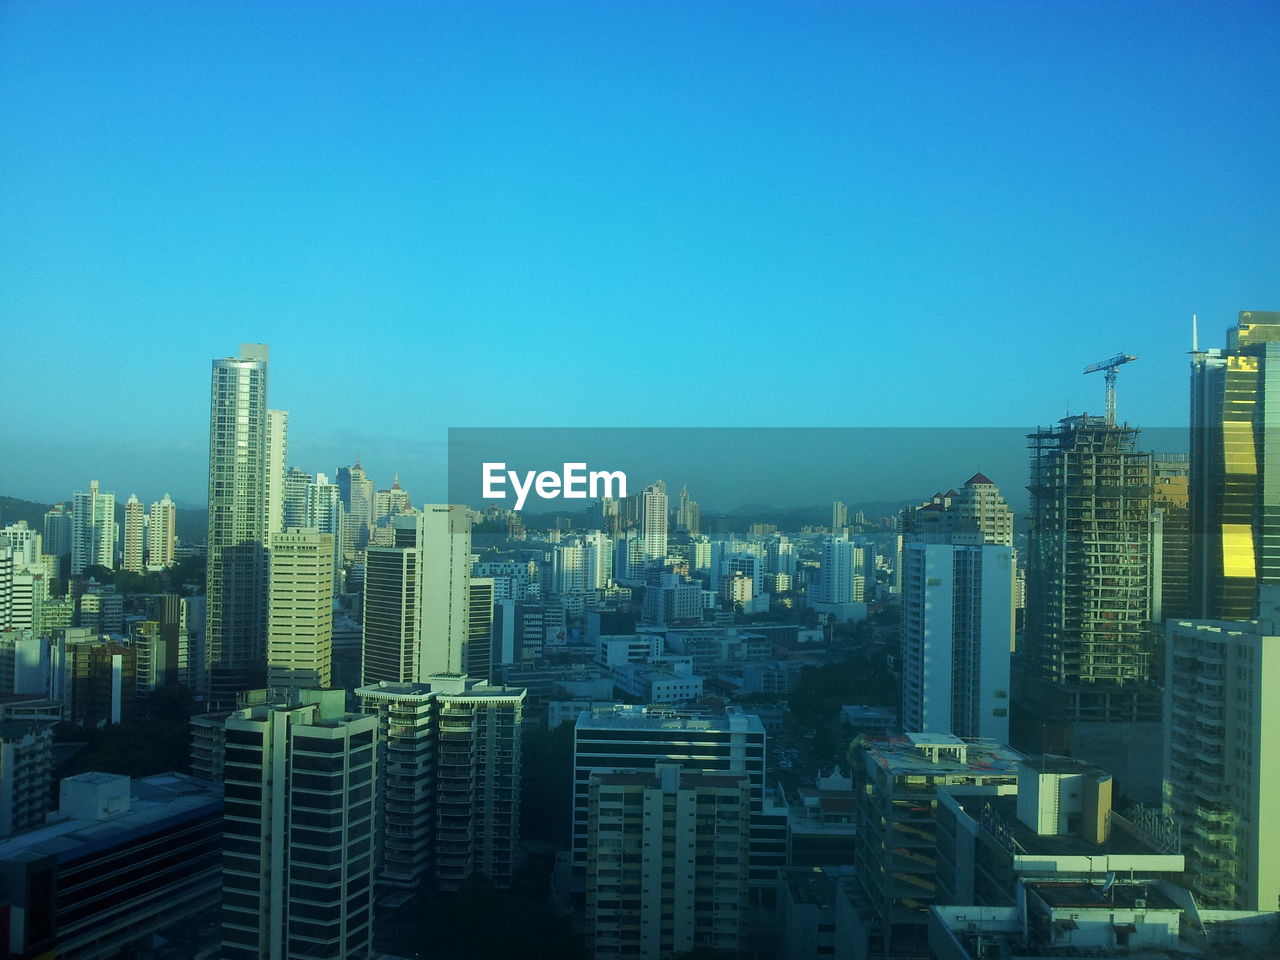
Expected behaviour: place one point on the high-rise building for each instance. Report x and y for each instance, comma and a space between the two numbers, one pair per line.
1222, 771
26, 774
957, 569
236, 610
300, 610
357, 502
1235, 491
58, 527
479, 659
957, 638
688, 514
277, 458
1171, 538
294, 507
839, 517
302, 795
161, 534
451, 771
135, 526
654, 522
977, 507
416, 610
667, 862
1088, 682
636, 739
389, 503
93, 529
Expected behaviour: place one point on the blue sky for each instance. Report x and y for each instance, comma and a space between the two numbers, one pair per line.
587, 214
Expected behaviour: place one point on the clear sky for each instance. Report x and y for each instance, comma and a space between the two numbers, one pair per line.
644, 214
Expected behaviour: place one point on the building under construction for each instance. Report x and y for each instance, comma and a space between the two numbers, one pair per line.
1088, 659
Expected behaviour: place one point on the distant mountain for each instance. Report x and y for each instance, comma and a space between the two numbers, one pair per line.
192, 522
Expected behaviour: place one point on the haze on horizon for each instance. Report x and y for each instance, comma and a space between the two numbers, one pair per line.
471, 214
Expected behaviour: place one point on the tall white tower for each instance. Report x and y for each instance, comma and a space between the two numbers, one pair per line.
235, 633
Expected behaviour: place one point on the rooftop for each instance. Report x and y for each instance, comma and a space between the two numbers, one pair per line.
1119, 842
942, 754
154, 800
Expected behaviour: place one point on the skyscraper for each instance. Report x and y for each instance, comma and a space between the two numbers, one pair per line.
416, 608
277, 458
957, 615
134, 535
479, 659
1222, 769
93, 529
235, 634
294, 508
653, 522
300, 610
357, 502
297, 879
161, 530
1088, 684
57, 531
1235, 483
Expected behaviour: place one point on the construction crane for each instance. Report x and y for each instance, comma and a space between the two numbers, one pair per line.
1110, 367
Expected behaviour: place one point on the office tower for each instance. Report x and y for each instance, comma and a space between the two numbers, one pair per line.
445, 535
688, 514
895, 854
392, 616
135, 525
1088, 674
161, 534
841, 585
1222, 770
390, 503
636, 739
1171, 538
297, 879
416, 614
957, 581
653, 523
1235, 493
324, 509
58, 527
300, 610
277, 458
294, 506
93, 529
235, 634
479, 657
357, 502
839, 517
667, 862
452, 776
121, 866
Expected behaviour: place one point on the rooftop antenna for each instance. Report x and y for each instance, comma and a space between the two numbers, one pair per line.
1195, 335
1109, 366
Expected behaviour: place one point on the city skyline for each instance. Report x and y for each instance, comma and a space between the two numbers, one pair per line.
449, 201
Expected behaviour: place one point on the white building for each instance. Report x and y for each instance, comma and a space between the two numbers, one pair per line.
277, 458
135, 540
161, 533
1222, 769
957, 638
93, 529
